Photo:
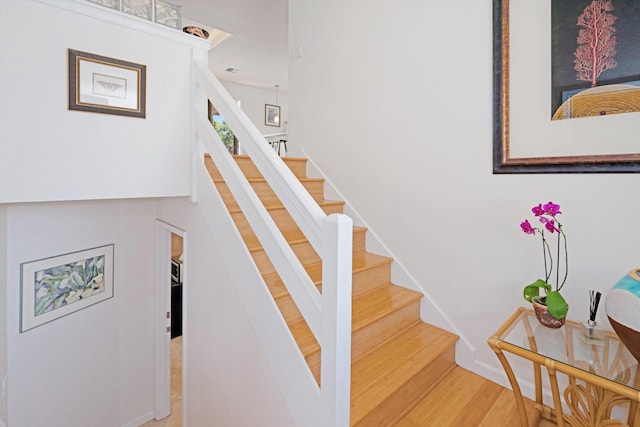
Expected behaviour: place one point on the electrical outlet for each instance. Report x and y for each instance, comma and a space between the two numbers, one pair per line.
296, 52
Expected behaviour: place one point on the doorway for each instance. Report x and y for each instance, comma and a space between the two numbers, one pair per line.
171, 332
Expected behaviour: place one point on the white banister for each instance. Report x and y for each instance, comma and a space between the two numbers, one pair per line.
328, 315
335, 371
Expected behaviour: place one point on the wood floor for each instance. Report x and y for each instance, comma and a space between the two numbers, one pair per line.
462, 399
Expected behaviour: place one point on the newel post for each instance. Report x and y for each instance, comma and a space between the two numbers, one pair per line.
335, 379
199, 107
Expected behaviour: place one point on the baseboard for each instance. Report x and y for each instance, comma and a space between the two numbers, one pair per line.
498, 376
137, 421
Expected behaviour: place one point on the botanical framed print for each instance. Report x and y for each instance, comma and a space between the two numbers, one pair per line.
271, 115
561, 106
60, 285
106, 85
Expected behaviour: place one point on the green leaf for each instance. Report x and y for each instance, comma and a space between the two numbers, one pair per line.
556, 304
533, 290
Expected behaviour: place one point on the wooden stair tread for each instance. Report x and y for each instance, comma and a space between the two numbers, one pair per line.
366, 309
379, 303
286, 159
217, 180
291, 236
385, 369
360, 262
275, 206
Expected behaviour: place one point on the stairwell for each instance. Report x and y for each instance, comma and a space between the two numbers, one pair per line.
396, 358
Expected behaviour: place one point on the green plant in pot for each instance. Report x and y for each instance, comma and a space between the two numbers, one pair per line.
552, 301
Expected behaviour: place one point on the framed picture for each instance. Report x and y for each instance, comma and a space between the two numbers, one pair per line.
106, 85
543, 82
60, 285
271, 115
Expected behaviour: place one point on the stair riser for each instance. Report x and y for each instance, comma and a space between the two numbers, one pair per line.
305, 253
384, 328
393, 322
371, 279
297, 166
402, 401
280, 216
266, 194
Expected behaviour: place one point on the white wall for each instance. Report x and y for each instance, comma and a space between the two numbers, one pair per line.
94, 366
69, 155
228, 381
254, 98
3, 313
394, 104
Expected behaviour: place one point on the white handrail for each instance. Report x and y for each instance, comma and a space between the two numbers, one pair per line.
328, 315
299, 203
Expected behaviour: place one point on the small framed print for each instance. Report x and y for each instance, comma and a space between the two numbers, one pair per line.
271, 115
60, 285
100, 84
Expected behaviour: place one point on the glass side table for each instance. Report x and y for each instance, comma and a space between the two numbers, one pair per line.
598, 375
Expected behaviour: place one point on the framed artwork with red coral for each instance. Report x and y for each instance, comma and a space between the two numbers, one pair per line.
566, 86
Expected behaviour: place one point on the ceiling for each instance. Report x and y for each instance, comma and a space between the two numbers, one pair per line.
258, 45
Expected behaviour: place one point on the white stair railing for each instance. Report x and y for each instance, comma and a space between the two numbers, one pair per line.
328, 314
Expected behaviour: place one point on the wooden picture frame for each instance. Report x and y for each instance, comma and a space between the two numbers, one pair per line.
271, 115
60, 285
99, 84
525, 138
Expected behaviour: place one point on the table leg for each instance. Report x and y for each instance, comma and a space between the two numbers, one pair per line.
494, 344
555, 391
634, 410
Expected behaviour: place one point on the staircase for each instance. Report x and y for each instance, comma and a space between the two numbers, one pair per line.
396, 358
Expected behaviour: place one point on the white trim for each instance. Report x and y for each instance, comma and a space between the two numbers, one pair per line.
136, 422
102, 13
162, 392
430, 311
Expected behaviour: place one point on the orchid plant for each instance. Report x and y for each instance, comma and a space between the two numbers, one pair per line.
547, 215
